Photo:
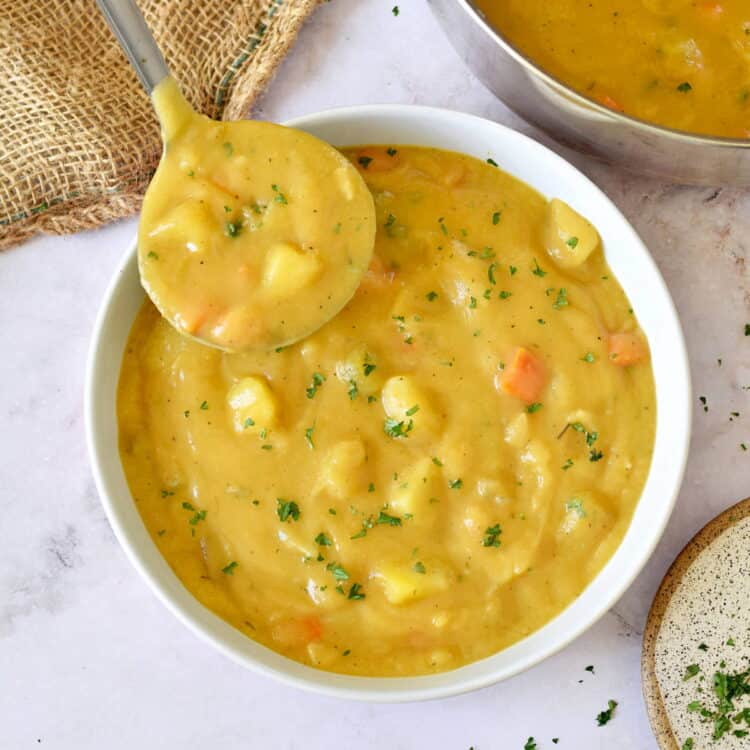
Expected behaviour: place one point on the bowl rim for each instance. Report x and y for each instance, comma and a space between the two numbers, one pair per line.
384, 689
685, 136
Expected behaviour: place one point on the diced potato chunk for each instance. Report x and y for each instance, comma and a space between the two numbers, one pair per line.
568, 237
359, 368
418, 489
189, 225
287, 270
253, 405
402, 582
404, 401
341, 472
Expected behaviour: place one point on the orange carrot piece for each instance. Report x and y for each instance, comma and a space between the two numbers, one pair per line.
298, 631
610, 103
524, 377
626, 349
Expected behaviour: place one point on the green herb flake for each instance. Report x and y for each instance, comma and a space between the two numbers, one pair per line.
388, 520
337, 571
419, 567
588, 357
455, 484
309, 436
323, 540
605, 716
537, 270
395, 10
575, 505
431, 296
562, 299
353, 390
317, 380
204, 405
567, 465
530, 744
287, 509
152, 255
232, 228
504, 295
229, 569
688, 744
572, 242
279, 197
228, 148
513, 270
535, 407
491, 536
391, 151
492, 162
491, 273
355, 592
397, 429
496, 217
364, 161
684, 87
412, 411
690, 671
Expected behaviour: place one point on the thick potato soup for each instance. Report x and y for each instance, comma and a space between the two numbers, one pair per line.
435, 473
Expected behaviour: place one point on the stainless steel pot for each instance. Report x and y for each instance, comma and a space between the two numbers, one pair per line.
581, 123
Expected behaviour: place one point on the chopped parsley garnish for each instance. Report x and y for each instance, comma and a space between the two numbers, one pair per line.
371, 487
287, 509
456, 484
355, 592
588, 357
690, 671
512, 270
590, 668
385, 518
204, 405
505, 295
167, 493
152, 254
390, 221
309, 436
419, 567
323, 540
437, 461
368, 367
572, 242
567, 464
337, 571
397, 429
576, 505
228, 148
443, 228
232, 228
747, 329
530, 744
492, 162
562, 299
531, 408
365, 161
472, 302
684, 87
395, 10
704, 402
353, 390
606, 716
279, 197
702, 647
491, 273
537, 270
229, 569
496, 217
431, 296
688, 744
249, 422
491, 536
595, 455
317, 380
412, 411
391, 151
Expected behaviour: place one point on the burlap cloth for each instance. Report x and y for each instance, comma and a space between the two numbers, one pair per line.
78, 138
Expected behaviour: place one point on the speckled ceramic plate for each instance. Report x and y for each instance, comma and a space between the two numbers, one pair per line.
700, 616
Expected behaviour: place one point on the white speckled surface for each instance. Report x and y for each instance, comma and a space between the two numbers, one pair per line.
710, 607
90, 659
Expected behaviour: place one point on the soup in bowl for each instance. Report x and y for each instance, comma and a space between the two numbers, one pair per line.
454, 476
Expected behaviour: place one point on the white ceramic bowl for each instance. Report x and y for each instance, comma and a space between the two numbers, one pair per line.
639, 276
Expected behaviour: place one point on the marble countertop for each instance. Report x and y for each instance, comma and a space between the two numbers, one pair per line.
88, 656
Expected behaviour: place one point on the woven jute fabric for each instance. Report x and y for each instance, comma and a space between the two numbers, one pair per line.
78, 137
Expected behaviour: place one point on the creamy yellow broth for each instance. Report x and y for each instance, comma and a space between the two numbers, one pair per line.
252, 235
434, 474
680, 63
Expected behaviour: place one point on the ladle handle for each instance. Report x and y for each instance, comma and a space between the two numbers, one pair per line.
136, 40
